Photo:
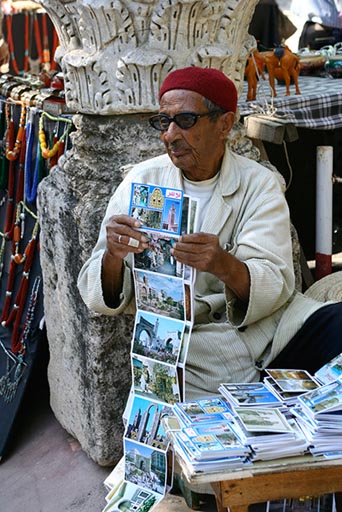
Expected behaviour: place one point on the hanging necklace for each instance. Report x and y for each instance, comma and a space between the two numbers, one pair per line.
55, 43
46, 50
4, 161
37, 38
15, 366
19, 147
2, 252
9, 19
47, 152
12, 149
26, 258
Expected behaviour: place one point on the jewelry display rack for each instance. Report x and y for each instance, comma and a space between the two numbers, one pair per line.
34, 133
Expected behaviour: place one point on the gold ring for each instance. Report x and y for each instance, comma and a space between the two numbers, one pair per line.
132, 242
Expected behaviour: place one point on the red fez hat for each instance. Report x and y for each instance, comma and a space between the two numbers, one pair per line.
209, 82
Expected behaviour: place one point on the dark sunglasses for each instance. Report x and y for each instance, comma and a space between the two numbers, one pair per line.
184, 120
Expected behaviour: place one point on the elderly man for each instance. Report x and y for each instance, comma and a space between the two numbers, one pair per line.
246, 309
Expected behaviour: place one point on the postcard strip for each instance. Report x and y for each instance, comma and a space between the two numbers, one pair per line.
163, 323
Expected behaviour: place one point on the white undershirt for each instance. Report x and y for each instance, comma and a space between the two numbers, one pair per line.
203, 191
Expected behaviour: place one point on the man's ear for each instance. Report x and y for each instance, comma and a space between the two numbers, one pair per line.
227, 122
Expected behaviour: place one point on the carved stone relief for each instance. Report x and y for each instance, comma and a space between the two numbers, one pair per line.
115, 54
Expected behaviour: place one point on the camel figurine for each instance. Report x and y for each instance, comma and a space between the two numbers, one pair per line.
254, 68
280, 63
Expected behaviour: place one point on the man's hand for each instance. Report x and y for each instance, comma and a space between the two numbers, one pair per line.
199, 250
123, 237
203, 252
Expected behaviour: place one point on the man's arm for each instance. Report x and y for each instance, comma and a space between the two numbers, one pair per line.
122, 239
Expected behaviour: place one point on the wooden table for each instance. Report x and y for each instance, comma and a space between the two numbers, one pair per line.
261, 481
238, 490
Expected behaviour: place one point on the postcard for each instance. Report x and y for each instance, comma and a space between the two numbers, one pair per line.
162, 295
157, 337
286, 396
261, 419
132, 498
293, 380
157, 257
145, 466
158, 208
145, 425
202, 410
155, 380
251, 394
326, 398
214, 439
330, 371
185, 344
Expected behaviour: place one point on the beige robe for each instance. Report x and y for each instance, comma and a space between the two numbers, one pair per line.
230, 342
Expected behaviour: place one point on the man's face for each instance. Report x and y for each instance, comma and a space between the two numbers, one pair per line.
197, 151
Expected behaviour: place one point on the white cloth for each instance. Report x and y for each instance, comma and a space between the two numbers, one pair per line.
202, 190
324, 12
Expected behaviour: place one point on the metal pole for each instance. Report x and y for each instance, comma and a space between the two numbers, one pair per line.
324, 198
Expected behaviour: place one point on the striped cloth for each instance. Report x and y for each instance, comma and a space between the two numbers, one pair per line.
319, 106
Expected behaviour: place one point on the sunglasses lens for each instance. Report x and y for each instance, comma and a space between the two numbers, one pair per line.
185, 120
160, 122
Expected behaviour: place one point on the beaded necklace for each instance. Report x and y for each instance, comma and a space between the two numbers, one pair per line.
16, 364
37, 37
20, 146
47, 152
9, 18
42, 44
12, 149
2, 252
26, 259
4, 162
46, 50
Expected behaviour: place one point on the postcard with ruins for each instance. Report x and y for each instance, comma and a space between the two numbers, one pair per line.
157, 337
144, 424
162, 295
145, 466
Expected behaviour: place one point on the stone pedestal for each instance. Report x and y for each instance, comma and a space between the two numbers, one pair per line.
114, 56
89, 370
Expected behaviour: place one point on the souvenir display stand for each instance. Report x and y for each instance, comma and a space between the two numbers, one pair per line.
32, 139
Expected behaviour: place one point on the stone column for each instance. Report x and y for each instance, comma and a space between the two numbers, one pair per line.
114, 56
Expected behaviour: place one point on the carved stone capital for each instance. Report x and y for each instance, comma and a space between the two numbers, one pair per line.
115, 54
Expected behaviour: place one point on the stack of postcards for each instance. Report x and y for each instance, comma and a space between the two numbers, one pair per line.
319, 414
268, 432
206, 441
